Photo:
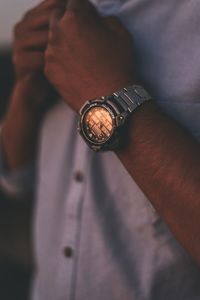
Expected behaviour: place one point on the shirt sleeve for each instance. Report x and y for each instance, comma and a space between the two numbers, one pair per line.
16, 183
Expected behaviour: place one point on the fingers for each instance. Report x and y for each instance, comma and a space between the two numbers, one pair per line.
32, 24
35, 41
35, 22
26, 61
39, 16
31, 36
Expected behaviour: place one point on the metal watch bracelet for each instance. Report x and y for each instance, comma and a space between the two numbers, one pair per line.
132, 97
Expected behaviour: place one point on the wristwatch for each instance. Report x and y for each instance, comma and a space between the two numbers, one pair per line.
102, 120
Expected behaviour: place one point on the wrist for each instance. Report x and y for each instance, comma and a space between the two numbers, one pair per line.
103, 121
104, 87
111, 85
31, 92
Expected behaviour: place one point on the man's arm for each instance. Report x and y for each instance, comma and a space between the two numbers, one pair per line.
21, 126
32, 91
161, 157
164, 160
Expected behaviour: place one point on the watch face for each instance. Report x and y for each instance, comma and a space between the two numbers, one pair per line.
98, 124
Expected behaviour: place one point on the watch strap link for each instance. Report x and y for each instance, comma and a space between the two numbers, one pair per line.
132, 97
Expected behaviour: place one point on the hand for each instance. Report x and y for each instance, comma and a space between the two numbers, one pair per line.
32, 95
87, 56
29, 45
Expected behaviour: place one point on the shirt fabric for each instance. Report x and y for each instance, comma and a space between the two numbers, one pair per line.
96, 236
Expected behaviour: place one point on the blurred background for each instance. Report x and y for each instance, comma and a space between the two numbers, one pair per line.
15, 216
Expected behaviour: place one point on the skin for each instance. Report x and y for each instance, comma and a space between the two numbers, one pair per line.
161, 157
31, 94
69, 55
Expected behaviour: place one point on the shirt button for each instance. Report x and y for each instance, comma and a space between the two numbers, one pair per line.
68, 252
79, 177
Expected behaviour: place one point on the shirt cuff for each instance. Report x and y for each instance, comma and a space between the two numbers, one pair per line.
16, 183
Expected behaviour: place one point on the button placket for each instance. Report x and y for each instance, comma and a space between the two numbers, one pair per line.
73, 212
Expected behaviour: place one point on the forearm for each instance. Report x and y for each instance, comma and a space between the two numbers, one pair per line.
165, 162
21, 125
161, 157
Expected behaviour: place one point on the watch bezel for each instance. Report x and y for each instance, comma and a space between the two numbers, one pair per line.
104, 145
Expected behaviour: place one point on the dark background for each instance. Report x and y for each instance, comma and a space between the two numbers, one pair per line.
15, 216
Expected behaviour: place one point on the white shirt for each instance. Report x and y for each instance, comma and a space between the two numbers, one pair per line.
96, 236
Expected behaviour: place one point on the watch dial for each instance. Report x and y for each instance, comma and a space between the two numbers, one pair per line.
98, 123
